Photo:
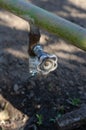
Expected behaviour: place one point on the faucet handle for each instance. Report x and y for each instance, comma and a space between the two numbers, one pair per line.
47, 63
42, 62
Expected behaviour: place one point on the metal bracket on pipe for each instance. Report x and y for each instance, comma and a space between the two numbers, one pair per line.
40, 62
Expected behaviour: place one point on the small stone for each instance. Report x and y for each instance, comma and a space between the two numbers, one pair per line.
4, 115
38, 106
22, 92
25, 118
16, 87
67, 93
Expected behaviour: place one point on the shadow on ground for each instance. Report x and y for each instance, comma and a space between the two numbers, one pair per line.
41, 94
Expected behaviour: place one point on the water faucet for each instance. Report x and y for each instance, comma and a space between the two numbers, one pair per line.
40, 62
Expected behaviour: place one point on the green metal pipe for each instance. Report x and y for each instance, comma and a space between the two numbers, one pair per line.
69, 31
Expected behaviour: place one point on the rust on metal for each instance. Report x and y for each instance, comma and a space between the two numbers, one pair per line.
34, 37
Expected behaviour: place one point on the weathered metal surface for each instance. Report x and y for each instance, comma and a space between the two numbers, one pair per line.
34, 37
69, 31
40, 62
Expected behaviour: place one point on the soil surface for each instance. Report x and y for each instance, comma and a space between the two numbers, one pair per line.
38, 102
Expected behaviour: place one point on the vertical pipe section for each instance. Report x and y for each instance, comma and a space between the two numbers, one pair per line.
69, 31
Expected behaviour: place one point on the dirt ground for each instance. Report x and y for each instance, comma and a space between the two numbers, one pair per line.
23, 99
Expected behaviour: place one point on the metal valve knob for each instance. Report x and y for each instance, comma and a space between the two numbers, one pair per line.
46, 62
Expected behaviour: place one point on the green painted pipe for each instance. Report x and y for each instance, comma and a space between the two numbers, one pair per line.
69, 31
